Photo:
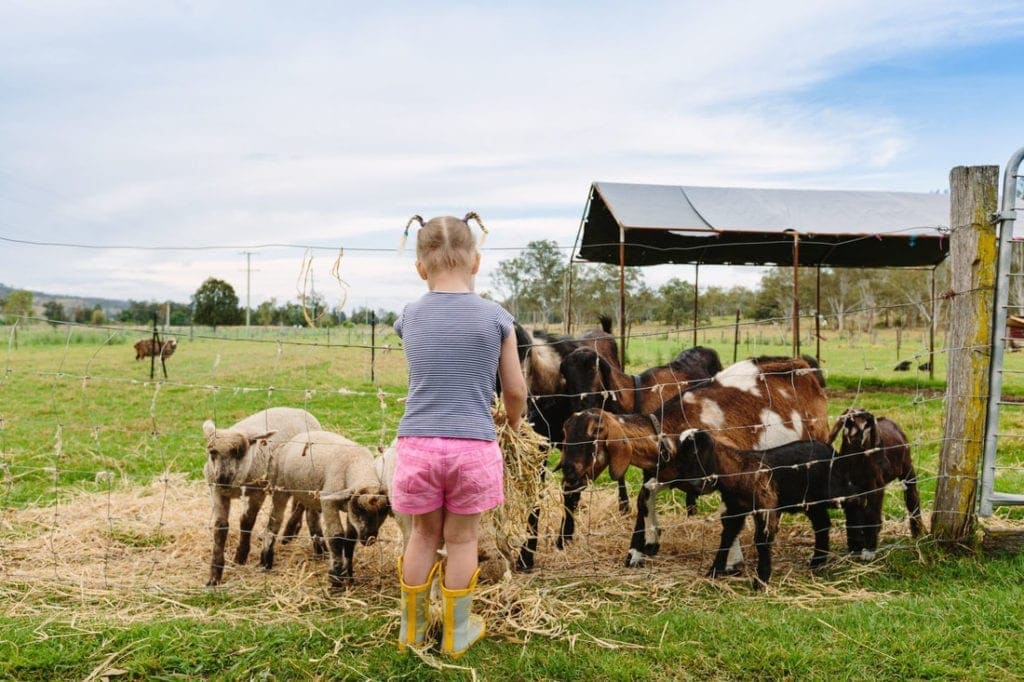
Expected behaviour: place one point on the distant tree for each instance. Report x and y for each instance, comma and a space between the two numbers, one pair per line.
595, 292
140, 312
387, 317
215, 303
18, 304
676, 305
97, 316
266, 313
534, 281
54, 312
181, 314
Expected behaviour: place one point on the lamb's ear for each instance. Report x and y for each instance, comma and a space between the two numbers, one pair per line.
208, 428
262, 436
340, 498
619, 449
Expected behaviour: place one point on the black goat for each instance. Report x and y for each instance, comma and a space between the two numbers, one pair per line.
799, 477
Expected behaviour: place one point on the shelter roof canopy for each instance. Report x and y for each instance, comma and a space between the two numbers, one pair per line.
728, 225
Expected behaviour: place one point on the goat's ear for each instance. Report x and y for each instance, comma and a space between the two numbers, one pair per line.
261, 437
696, 442
869, 434
208, 428
619, 449
836, 428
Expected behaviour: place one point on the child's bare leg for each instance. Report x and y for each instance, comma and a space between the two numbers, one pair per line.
421, 552
461, 533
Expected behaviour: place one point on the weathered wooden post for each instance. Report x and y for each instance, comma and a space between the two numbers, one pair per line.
972, 248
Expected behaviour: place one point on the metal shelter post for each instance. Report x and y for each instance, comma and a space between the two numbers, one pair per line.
696, 278
817, 317
796, 294
622, 297
931, 333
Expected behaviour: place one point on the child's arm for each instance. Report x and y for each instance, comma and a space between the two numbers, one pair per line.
513, 385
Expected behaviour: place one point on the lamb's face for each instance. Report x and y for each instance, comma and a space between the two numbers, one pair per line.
228, 460
365, 511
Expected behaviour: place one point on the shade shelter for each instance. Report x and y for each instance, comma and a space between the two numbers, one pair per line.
638, 225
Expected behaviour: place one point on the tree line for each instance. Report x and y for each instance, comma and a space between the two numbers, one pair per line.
213, 304
539, 287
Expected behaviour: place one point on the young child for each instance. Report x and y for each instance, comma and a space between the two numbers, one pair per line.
449, 467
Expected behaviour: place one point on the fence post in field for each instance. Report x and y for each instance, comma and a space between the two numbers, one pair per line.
972, 250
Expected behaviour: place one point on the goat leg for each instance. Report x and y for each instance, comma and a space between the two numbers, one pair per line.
623, 497
571, 503
731, 527
818, 514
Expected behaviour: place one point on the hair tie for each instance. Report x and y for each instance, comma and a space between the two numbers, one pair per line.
472, 215
405, 235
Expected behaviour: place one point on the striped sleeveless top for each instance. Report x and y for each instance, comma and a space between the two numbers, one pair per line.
452, 342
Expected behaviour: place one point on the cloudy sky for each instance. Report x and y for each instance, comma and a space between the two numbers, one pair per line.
166, 139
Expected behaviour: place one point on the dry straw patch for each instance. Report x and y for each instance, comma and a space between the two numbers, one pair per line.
137, 553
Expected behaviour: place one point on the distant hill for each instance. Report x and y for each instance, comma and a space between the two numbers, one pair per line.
111, 306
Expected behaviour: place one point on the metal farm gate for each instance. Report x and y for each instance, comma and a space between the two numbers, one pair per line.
1003, 336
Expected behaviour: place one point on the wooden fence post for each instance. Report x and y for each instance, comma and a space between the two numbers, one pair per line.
973, 252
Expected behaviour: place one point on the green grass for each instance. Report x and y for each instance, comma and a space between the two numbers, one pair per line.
74, 405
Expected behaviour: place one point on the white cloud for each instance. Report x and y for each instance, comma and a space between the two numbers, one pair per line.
238, 124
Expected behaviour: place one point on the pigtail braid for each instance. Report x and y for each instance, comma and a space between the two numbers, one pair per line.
472, 215
405, 235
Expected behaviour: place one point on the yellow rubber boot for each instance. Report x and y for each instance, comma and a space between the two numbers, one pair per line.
415, 603
460, 627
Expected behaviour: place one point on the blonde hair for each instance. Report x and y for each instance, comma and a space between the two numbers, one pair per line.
446, 243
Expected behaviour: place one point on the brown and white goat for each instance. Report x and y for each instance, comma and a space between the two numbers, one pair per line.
799, 477
592, 381
752, 405
878, 452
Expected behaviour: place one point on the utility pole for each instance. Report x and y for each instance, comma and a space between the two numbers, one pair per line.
248, 283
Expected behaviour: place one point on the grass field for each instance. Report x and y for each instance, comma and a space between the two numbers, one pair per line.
104, 538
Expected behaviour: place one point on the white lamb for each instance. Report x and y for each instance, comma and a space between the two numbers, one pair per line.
329, 473
236, 466
385, 467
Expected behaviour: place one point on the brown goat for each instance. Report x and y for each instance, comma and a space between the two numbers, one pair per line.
145, 348
879, 453
548, 406
156, 348
752, 405
595, 382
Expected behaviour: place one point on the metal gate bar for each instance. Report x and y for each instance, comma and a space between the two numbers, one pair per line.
989, 497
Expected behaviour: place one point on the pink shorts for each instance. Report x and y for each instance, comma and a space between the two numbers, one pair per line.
464, 476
